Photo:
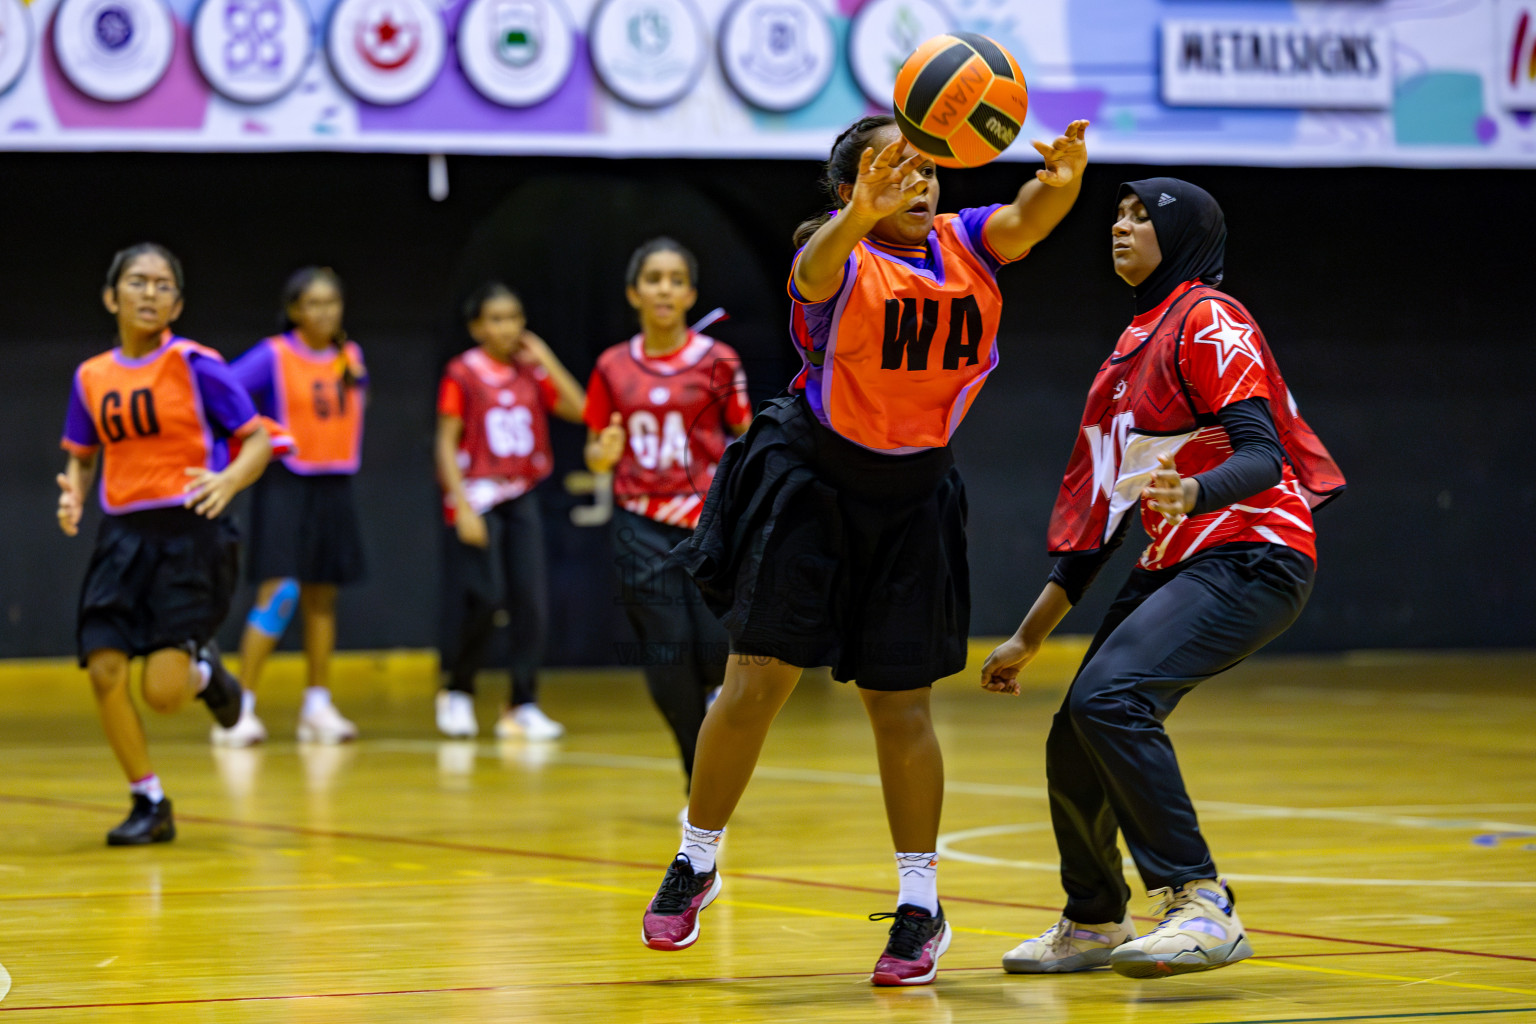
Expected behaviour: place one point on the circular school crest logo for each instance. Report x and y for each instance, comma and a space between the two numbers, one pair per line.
252, 51
883, 35
113, 50
386, 52
516, 52
777, 54
648, 53
15, 42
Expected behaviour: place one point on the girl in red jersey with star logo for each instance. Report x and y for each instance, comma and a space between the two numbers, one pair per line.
1189, 418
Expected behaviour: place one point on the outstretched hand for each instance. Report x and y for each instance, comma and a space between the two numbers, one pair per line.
1065, 157
886, 182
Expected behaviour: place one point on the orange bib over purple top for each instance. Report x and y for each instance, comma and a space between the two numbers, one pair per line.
893, 361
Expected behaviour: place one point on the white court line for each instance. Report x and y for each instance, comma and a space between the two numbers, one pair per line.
5, 982
947, 851
1359, 815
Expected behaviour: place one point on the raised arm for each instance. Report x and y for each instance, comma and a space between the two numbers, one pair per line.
1041, 203
887, 181
572, 396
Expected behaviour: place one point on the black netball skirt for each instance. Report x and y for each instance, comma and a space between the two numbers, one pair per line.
816, 551
304, 528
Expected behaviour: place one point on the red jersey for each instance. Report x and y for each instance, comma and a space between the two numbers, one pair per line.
678, 411
504, 449
1172, 370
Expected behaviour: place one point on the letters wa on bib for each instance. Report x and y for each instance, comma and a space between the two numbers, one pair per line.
834, 531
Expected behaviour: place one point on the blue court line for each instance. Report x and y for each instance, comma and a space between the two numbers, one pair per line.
1380, 1016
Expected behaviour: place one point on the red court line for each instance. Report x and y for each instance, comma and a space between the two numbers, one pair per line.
443, 844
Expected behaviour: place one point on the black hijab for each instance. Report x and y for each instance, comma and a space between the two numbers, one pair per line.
1191, 232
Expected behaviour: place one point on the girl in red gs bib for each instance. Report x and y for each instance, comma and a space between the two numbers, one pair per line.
157, 414
661, 407
493, 449
1190, 418
834, 532
305, 543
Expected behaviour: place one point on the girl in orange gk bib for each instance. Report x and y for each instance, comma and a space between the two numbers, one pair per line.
1190, 417
157, 413
834, 531
304, 544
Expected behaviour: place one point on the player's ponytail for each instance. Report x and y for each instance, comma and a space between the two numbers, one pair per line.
842, 168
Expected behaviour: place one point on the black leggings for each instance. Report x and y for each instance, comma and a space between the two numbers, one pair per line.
1109, 764
509, 572
681, 646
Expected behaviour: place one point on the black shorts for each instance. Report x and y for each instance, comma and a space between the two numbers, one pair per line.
816, 551
157, 579
304, 528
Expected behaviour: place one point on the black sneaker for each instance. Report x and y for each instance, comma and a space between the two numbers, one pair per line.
912, 953
148, 822
222, 694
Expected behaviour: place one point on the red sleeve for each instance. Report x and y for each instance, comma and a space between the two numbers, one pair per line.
599, 405
736, 410
549, 395
450, 398
1221, 357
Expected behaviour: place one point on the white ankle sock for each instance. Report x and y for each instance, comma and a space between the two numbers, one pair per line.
247, 703
148, 786
204, 673
919, 875
316, 698
700, 846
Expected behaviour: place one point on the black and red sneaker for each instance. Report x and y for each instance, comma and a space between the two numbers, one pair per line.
672, 919
912, 953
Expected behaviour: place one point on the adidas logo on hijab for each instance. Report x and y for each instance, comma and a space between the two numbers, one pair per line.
1165, 199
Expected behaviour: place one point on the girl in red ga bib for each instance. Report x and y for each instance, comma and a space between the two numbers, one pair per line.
1190, 419
834, 533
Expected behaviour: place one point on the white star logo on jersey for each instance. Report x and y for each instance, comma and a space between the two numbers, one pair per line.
1231, 337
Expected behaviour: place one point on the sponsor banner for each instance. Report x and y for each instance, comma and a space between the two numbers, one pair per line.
1272, 82
1515, 50
1230, 64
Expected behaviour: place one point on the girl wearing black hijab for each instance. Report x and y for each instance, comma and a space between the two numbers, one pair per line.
1190, 418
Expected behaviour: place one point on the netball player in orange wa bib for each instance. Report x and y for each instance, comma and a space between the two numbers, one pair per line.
661, 407
304, 542
1190, 418
493, 449
157, 413
834, 533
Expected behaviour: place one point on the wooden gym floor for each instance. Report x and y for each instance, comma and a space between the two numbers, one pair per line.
1377, 814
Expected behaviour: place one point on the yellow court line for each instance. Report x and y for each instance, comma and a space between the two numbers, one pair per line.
776, 908
1348, 851
1393, 977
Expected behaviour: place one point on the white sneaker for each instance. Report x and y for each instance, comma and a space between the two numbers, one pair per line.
1199, 931
1068, 946
529, 722
324, 724
456, 715
247, 732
